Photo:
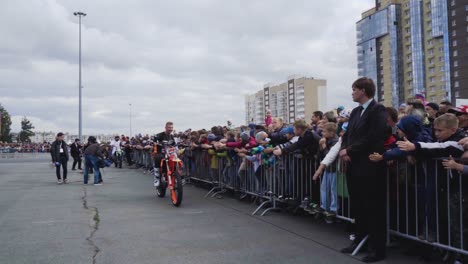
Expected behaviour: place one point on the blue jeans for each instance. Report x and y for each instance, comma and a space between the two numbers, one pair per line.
328, 194
91, 161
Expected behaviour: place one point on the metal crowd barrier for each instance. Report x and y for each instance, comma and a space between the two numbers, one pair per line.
425, 203
285, 180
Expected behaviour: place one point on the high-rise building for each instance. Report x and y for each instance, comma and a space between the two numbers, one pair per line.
297, 98
404, 46
458, 32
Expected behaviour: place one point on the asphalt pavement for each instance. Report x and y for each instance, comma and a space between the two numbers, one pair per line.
123, 221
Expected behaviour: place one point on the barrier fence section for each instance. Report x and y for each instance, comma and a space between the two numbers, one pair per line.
23, 153
425, 202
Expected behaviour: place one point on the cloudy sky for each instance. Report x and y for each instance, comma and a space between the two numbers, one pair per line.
191, 62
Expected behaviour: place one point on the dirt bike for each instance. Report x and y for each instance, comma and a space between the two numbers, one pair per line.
170, 173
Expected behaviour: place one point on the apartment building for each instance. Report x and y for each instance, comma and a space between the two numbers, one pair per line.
404, 46
458, 32
296, 98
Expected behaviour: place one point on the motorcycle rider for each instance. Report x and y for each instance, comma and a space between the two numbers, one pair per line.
117, 152
163, 136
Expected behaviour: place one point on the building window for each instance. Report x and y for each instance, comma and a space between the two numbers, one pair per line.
455, 53
453, 12
442, 68
431, 42
455, 63
291, 85
441, 49
454, 43
442, 78
431, 61
457, 94
442, 87
455, 74
453, 2
454, 33
431, 70
432, 88
431, 51
457, 84
432, 98
441, 59
432, 79
454, 23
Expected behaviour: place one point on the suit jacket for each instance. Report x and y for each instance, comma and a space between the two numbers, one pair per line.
365, 135
75, 150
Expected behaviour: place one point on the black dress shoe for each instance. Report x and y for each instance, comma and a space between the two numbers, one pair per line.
350, 249
371, 258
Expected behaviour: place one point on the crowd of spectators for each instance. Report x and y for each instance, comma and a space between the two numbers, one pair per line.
24, 147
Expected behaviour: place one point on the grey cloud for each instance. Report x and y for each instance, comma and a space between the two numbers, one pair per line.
188, 61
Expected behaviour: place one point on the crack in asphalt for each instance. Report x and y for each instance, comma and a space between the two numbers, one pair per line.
94, 225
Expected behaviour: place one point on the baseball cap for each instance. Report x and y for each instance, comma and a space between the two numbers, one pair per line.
211, 137
462, 110
287, 130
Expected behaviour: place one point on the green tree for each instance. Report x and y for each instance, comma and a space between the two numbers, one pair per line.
26, 130
5, 125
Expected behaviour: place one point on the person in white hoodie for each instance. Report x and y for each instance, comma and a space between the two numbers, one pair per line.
117, 152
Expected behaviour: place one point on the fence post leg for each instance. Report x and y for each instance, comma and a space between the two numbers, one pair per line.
358, 248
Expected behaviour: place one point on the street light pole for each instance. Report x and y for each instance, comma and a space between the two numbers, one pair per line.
130, 120
80, 123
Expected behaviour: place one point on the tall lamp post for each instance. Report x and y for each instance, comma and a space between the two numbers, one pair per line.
80, 124
130, 120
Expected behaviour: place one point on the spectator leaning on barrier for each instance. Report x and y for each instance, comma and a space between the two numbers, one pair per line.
448, 136
75, 150
432, 109
316, 117
444, 106
462, 115
59, 153
366, 135
392, 118
276, 135
328, 188
307, 143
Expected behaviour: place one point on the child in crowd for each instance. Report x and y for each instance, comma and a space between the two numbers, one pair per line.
268, 119
328, 188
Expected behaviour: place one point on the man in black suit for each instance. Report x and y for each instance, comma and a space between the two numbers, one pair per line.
366, 179
76, 154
